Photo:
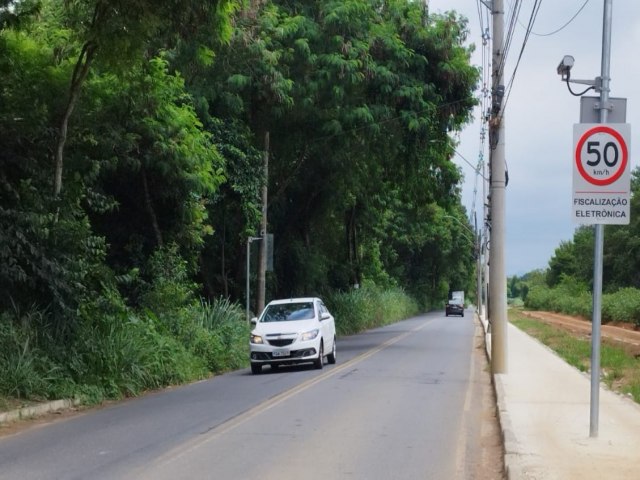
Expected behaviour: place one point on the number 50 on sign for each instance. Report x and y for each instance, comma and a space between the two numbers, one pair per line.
601, 179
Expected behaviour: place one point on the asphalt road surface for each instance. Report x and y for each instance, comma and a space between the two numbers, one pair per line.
401, 403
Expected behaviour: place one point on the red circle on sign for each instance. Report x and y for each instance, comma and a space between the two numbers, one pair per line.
623, 163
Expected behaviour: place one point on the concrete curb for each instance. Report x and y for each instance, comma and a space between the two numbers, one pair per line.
508, 438
511, 455
37, 410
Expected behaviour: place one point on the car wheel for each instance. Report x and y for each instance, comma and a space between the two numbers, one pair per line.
256, 368
319, 362
331, 358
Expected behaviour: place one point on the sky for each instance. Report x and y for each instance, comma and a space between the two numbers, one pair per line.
541, 112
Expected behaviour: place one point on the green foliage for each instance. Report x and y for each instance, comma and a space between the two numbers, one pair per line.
161, 109
621, 255
369, 307
25, 370
170, 289
570, 296
622, 306
358, 104
573, 258
221, 337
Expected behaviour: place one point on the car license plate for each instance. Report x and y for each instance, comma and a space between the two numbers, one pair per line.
282, 352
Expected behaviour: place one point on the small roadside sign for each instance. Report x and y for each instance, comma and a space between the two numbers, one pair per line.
601, 178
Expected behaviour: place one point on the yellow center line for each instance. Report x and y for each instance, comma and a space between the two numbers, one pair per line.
253, 412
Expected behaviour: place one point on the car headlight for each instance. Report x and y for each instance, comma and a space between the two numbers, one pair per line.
309, 335
256, 338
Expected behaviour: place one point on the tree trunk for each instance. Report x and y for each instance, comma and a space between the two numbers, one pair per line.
223, 261
352, 245
80, 72
150, 210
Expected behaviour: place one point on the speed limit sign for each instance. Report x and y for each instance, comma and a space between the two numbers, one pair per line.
601, 180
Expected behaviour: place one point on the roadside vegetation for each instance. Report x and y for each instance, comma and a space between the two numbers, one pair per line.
566, 285
370, 307
620, 366
131, 171
124, 353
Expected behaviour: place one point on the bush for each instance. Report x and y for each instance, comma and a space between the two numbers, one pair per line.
124, 355
24, 369
568, 297
220, 335
369, 307
572, 298
27, 369
622, 306
170, 289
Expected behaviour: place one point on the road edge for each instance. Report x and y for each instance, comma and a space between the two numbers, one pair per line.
509, 442
34, 411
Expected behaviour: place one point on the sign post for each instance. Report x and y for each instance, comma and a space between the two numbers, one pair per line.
601, 183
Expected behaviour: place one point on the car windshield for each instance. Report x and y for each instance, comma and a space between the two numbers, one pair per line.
288, 312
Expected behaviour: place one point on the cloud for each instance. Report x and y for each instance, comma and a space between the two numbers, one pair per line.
540, 115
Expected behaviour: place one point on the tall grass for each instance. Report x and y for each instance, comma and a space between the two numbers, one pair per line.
620, 306
24, 369
113, 351
223, 335
27, 369
123, 354
369, 307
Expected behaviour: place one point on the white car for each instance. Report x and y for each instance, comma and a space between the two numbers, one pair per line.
296, 330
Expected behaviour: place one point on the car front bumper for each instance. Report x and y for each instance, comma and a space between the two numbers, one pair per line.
297, 352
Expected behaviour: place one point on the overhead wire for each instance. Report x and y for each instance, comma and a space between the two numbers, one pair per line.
483, 22
532, 18
566, 24
512, 20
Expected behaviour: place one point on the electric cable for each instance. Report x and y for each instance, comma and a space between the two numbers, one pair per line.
532, 18
559, 29
578, 94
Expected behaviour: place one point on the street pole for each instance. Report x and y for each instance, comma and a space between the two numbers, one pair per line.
483, 246
498, 281
262, 265
478, 249
596, 319
248, 285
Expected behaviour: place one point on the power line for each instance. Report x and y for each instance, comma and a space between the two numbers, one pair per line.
563, 26
532, 18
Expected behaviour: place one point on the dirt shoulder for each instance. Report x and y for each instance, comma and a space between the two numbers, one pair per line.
623, 334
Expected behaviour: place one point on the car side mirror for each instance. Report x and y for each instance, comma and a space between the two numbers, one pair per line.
325, 316
254, 321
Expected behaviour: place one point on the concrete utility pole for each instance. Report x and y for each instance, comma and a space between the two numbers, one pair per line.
498, 279
478, 250
262, 263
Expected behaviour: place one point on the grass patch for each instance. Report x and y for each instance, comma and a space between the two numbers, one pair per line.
620, 369
369, 307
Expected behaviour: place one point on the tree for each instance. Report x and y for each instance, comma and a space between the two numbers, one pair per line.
118, 32
157, 163
358, 101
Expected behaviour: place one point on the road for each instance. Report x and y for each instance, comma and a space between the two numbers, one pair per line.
407, 401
